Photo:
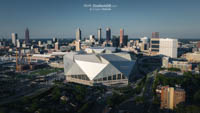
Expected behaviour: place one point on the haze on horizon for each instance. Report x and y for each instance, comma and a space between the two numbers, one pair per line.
60, 18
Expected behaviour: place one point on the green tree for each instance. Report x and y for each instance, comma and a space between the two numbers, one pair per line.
34, 105
3, 110
116, 99
192, 109
180, 108
196, 97
174, 69
84, 108
26, 100
139, 99
56, 93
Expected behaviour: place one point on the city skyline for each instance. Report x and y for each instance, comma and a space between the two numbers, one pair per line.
99, 56
171, 18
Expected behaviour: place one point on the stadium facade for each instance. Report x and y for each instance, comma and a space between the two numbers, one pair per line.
98, 69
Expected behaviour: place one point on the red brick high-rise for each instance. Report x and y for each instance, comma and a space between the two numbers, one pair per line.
121, 37
198, 44
155, 35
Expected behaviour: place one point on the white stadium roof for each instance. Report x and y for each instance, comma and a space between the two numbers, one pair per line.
98, 65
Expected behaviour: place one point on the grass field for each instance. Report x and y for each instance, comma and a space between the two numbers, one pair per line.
45, 71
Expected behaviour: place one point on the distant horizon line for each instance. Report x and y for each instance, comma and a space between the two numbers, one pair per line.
102, 38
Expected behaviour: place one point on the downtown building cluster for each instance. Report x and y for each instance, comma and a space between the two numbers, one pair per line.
98, 62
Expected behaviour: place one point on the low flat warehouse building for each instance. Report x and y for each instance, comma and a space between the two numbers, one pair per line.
98, 69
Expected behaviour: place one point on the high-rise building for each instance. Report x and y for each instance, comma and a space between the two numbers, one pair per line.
54, 39
145, 43
56, 46
78, 45
99, 34
14, 38
155, 42
154, 45
125, 40
168, 47
24, 45
108, 34
155, 35
170, 97
115, 41
78, 34
39, 43
121, 37
92, 37
198, 44
27, 37
144, 40
18, 43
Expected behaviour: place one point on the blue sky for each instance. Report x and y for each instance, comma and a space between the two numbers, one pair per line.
60, 18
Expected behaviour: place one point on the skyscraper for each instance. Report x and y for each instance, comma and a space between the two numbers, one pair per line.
155, 35
27, 35
54, 39
39, 43
14, 38
108, 34
78, 45
115, 41
56, 46
18, 43
78, 34
168, 47
99, 34
125, 40
121, 37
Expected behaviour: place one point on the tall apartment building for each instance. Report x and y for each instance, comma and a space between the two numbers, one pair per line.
168, 47
170, 97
